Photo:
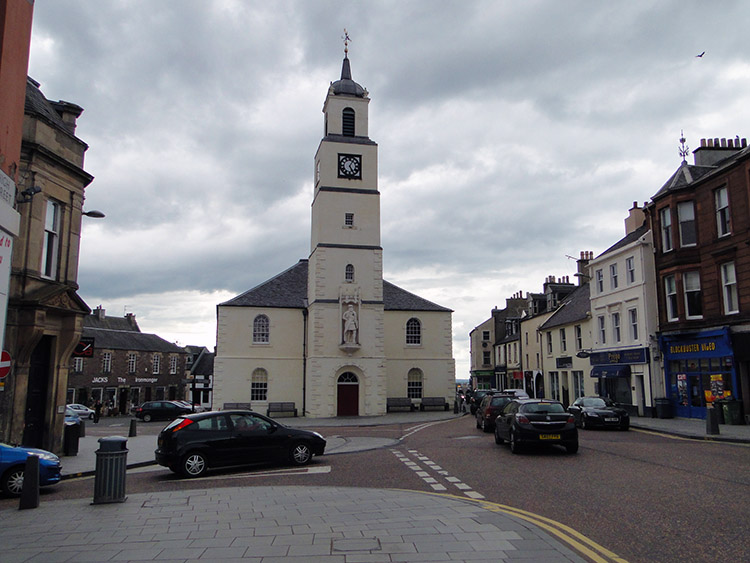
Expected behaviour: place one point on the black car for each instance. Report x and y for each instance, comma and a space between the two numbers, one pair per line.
601, 412
476, 398
195, 442
534, 422
160, 410
489, 409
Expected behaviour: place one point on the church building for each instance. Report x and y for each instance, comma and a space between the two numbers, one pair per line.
330, 334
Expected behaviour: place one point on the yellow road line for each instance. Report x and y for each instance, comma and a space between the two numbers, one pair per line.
566, 534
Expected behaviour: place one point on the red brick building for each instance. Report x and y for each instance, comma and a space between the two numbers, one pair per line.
701, 224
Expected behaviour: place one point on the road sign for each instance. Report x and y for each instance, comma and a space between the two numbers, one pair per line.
4, 364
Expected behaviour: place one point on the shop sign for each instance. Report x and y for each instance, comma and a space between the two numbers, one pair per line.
630, 356
100, 380
146, 379
564, 363
707, 344
84, 348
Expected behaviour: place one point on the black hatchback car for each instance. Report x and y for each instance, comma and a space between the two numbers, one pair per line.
599, 412
160, 410
536, 421
193, 443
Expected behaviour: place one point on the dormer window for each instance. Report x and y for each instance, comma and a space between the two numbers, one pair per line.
347, 122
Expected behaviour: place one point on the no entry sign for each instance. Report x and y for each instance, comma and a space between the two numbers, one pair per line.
4, 364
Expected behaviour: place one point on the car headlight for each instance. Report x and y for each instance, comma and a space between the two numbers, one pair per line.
591, 414
47, 456
319, 435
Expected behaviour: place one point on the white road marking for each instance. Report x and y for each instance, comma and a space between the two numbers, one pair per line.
432, 481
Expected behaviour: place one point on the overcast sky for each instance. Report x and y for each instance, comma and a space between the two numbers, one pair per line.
511, 135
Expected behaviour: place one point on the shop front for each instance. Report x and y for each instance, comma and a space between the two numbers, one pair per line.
622, 376
700, 369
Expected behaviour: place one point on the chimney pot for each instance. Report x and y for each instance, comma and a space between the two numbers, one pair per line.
703, 142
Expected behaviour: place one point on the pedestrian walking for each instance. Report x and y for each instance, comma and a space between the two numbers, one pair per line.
97, 411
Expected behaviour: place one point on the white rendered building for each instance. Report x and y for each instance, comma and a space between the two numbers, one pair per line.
329, 334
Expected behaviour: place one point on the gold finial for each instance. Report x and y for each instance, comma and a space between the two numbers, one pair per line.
346, 39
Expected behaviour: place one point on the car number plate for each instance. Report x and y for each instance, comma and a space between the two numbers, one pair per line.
611, 419
549, 436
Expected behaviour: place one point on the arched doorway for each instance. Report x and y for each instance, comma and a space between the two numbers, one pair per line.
347, 395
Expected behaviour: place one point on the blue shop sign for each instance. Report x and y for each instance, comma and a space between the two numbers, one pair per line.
706, 344
629, 356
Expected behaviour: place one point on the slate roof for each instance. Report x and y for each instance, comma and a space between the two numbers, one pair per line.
688, 174
204, 365
627, 239
38, 105
119, 334
289, 290
575, 307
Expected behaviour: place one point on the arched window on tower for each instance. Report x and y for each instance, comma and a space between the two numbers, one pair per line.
349, 276
261, 330
347, 122
414, 384
413, 331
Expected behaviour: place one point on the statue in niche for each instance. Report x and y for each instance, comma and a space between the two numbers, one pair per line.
351, 325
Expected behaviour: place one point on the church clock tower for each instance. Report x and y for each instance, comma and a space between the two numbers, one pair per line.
345, 330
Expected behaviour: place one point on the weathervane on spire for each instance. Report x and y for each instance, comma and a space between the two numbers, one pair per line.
684, 149
346, 39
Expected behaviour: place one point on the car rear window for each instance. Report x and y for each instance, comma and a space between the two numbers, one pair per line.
500, 401
542, 407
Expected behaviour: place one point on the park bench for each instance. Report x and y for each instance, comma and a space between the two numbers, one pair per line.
236, 407
397, 403
283, 407
438, 402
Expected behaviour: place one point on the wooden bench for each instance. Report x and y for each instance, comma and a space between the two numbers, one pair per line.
236, 407
398, 403
283, 407
438, 402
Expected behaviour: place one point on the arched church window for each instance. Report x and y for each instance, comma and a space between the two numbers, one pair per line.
261, 330
347, 122
349, 276
348, 377
413, 331
414, 382
259, 385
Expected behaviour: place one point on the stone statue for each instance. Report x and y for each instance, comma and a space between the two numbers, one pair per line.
350, 325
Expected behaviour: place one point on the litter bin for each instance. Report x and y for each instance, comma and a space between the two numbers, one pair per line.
111, 466
71, 434
663, 408
732, 411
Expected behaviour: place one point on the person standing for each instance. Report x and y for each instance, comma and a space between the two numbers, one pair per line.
97, 411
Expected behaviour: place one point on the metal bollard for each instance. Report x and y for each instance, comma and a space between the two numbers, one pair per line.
712, 421
132, 432
111, 466
30, 490
83, 429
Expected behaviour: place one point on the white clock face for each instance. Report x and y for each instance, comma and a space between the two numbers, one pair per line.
350, 166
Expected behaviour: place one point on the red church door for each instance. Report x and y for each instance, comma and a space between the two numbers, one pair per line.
347, 396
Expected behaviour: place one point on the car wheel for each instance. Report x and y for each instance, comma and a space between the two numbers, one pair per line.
147, 418
12, 482
300, 454
194, 464
498, 439
515, 447
91, 416
625, 427
478, 425
572, 448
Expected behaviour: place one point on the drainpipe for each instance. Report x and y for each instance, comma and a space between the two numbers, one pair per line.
304, 357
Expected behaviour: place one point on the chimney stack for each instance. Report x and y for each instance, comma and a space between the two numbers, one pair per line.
635, 219
715, 150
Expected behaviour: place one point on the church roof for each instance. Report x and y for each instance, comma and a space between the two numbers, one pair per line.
346, 85
289, 290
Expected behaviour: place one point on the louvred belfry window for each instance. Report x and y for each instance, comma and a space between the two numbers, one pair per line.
347, 122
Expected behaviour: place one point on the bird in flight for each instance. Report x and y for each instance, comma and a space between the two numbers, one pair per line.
699, 56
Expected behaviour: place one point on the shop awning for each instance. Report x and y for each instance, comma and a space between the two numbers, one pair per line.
610, 370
